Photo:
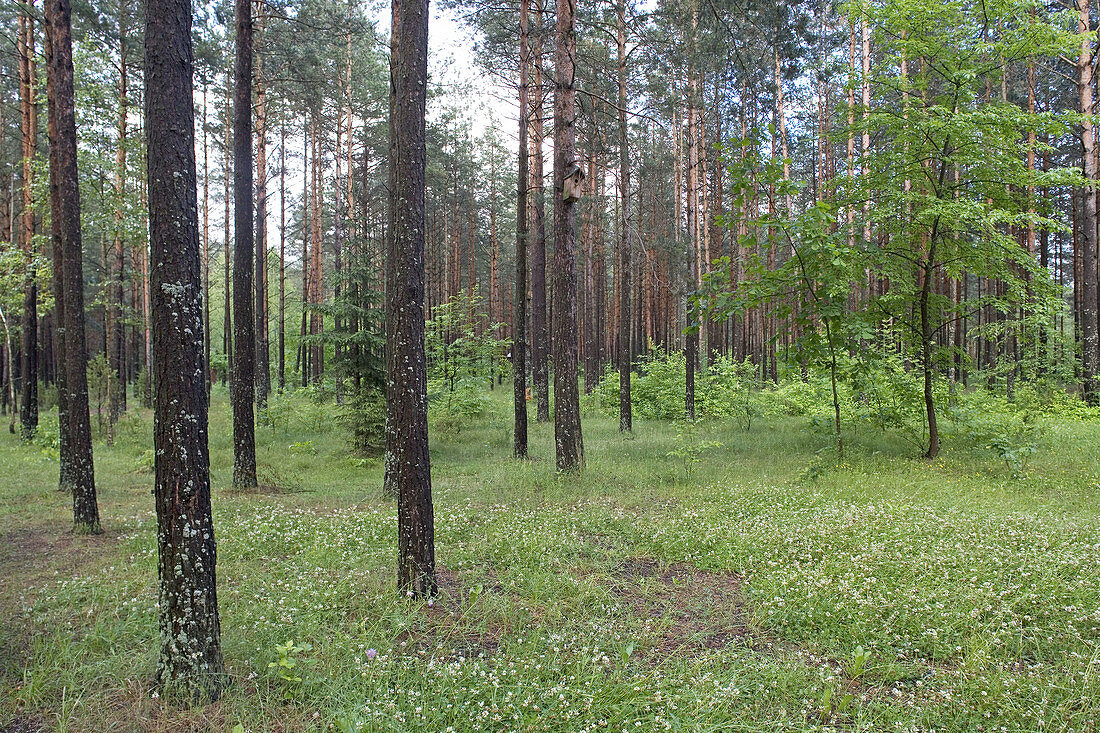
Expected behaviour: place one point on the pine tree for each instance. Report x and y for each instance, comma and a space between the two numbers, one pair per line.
190, 662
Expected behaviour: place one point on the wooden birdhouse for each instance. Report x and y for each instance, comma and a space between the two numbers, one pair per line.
572, 183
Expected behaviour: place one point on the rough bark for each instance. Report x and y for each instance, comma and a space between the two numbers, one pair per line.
63, 108
57, 284
190, 662
408, 470
567, 413
242, 389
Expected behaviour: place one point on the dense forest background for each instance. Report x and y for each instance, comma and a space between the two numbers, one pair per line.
896, 189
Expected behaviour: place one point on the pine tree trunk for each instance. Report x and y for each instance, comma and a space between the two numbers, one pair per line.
206, 244
282, 257
116, 351
263, 355
519, 320
63, 109
307, 170
1087, 313
242, 388
622, 348
28, 414
317, 349
227, 322
567, 414
540, 368
191, 662
408, 470
57, 285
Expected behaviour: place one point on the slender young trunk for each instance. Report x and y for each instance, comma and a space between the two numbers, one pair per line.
282, 257
567, 413
926, 352
242, 389
307, 168
408, 469
28, 414
191, 662
206, 246
63, 109
146, 308
227, 321
337, 247
316, 321
540, 369
519, 321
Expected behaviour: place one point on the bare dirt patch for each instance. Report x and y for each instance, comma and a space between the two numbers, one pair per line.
690, 611
23, 724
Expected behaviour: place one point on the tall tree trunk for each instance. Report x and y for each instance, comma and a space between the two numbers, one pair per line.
540, 369
66, 481
307, 208
567, 411
63, 108
408, 470
282, 257
1087, 315
244, 338
191, 660
28, 414
316, 320
206, 244
263, 355
227, 321
116, 352
519, 320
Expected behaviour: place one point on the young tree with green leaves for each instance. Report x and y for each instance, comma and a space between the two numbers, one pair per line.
945, 188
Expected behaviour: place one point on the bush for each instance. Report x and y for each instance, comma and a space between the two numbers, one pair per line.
453, 404
726, 389
365, 415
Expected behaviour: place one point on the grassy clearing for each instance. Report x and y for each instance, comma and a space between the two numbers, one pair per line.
754, 585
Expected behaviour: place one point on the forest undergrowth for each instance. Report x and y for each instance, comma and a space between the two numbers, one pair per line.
702, 577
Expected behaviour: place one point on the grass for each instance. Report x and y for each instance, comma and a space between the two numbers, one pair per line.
706, 579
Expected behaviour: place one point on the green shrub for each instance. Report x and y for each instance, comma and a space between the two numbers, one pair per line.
365, 415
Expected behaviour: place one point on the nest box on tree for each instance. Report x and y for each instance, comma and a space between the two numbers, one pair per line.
572, 183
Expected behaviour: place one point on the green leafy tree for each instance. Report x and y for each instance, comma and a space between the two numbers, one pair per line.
945, 190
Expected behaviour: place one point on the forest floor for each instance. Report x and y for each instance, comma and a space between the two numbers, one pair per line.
706, 579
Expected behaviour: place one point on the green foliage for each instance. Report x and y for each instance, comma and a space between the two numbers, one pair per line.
146, 462
365, 416
286, 667
461, 343
463, 354
452, 405
726, 389
47, 438
985, 421
689, 447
